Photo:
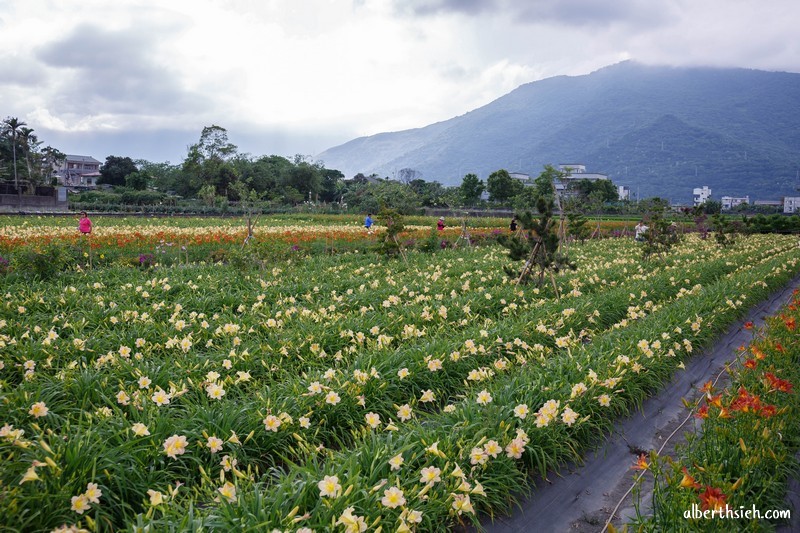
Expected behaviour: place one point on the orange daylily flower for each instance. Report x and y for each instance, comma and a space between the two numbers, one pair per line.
757, 352
776, 383
702, 412
641, 463
688, 481
768, 411
750, 363
716, 401
712, 498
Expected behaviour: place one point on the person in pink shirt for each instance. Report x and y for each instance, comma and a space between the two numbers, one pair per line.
85, 224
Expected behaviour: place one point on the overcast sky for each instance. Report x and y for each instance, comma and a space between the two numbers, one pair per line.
141, 78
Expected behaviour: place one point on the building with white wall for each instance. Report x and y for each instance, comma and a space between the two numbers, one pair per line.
729, 202
624, 192
701, 195
574, 172
791, 204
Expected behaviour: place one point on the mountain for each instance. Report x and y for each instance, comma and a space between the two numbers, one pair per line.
659, 130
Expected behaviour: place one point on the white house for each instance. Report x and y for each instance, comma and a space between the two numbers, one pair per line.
729, 202
574, 172
791, 204
701, 195
522, 177
624, 192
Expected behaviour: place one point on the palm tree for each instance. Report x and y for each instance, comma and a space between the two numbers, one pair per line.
29, 143
12, 126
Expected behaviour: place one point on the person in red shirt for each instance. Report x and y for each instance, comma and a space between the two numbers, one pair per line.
85, 224
440, 224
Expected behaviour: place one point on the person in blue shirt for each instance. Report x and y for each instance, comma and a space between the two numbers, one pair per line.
368, 221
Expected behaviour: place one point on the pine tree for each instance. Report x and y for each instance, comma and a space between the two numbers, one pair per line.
539, 245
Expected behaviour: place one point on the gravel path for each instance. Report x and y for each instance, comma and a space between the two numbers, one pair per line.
580, 498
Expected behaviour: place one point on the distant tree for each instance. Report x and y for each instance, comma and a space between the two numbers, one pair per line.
265, 175
471, 189
604, 190
116, 169
304, 178
539, 245
545, 182
712, 207
11, 128
332, 187
30, 143
208, 194
208, 161
502, 187
138, 180
214, 143
651, 205
163, 176
372, 197
51, 158
526, 200
430, 193
407, 175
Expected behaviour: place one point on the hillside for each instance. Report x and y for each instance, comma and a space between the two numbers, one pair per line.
659, 130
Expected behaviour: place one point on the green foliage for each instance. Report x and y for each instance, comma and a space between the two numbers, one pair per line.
772, 224
604, 190
723, 231
660, 236
539, 245
137, 180
577, 226
712, 207
372, 197
116, 169
471, 189
431, 243
44, 262
140, 197
388, 242
502, 187
526, 200
332, 187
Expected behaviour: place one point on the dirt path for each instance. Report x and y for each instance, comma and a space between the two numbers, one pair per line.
580, 498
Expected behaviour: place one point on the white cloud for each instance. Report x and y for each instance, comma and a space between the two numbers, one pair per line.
309, 72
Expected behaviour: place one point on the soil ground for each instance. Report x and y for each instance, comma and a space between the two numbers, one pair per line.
580, 497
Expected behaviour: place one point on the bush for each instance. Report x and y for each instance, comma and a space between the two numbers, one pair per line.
45, 262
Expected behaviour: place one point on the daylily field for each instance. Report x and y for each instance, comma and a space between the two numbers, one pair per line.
337, 391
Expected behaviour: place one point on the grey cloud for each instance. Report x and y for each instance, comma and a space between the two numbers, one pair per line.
113, 72
562, 12
21, 71
433, 7
591, 12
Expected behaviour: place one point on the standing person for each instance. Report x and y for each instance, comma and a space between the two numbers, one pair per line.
513, 225
640, 230
368, 221
85, 224
440, 224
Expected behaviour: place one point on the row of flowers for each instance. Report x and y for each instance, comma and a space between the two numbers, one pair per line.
148, 395
744, 455
481, 447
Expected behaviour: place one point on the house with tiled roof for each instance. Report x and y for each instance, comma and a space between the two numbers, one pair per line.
78, 170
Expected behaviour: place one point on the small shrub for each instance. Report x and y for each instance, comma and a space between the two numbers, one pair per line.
44, 262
